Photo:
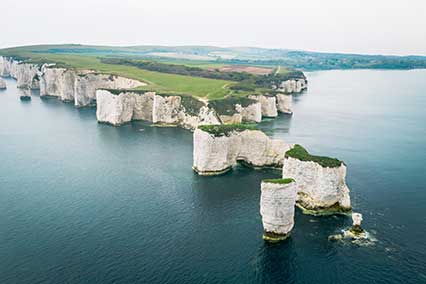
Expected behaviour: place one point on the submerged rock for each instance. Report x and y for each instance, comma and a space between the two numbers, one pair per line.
320, 182
277, 201
355, 234
218, 148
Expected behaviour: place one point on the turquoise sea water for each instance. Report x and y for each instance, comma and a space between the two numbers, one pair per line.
82, 202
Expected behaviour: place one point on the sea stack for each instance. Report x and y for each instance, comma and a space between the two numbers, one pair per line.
356, 228
217, 148
2, 84
277, 202
321, 186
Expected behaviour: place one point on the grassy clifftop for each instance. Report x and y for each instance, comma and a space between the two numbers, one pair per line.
201, 79
300, 153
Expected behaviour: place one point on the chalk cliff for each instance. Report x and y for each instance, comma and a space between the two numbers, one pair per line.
277, 202
236, 110
320, 182
218, 148
284, 103
2, 84
80, 86
26, 75
268, 105
117, 107
67, 84
293, 86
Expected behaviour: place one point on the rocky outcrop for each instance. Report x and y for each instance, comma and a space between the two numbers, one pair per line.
67, 84
2, 84
26, 75
58, 82
218, 148
250, 113
237, 110
320, 181
268, 105
7, 66
277, 202
118, 107
80, 86
293, 86
284, 103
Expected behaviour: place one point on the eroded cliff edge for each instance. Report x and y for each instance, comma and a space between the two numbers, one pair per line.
218, 148
115, 95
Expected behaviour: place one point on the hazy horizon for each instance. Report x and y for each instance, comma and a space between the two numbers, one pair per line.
363, 27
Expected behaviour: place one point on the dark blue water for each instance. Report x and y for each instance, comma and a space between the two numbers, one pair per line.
82, 202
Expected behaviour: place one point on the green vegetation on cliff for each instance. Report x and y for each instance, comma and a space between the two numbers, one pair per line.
300, 153
279, 180
226, 129
227, 106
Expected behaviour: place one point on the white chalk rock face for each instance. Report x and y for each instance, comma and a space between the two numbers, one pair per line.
277, 202
258, 150
2, 84
268, 105
27, 76
356, 219
284, 103
143, 106
58, 82
321, 190
206, 116
250, 113
117, 107
166, 109
215, 154
87, 84
79, 86
5, 66
293, 86
114, 109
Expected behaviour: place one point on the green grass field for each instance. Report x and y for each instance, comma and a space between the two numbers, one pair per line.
186, 85
89, 57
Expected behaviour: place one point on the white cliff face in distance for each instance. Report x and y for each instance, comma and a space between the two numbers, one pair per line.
321, 188
284, 103
268, 105
277, 202
293, 86
2, 84
80, 86
216, 153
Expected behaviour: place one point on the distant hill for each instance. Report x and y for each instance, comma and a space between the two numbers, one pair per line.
303, 60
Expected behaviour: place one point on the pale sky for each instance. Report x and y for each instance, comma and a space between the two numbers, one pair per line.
350, 26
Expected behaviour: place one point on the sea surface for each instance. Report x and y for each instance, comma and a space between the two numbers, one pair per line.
82, 202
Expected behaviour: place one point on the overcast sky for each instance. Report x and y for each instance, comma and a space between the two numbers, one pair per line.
356, 26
